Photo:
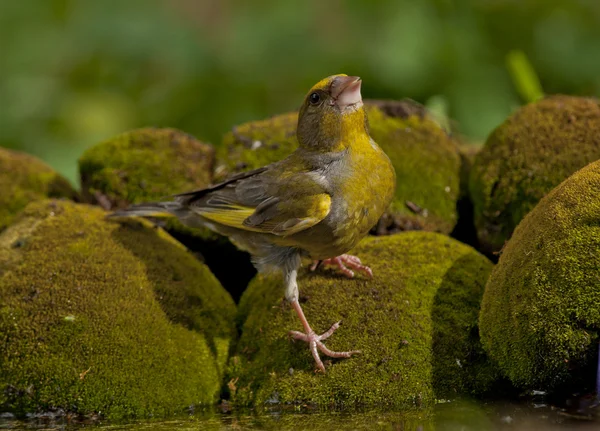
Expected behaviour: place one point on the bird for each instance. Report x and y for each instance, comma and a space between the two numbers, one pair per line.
317, 203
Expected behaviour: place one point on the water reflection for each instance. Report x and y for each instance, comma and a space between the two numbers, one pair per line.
535, 415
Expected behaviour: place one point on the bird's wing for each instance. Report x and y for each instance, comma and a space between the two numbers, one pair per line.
197, 194
261, 202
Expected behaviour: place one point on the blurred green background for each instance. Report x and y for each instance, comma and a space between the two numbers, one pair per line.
75, 72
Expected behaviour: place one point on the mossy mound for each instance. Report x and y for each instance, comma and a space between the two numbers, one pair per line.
540, 316
97, 316
532, 152
144, 165
427, 164
426, 159
415, 322
217, 252
151, 164
24, 179
256, 144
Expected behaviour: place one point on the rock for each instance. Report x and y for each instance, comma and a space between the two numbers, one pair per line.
151, 164
23, 179
97, 316
540, 316
415, 322
532, 152
426, 159
144, 165
427, 164
256, 144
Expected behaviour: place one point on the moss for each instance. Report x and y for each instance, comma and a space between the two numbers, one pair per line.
540, 316
217, 252
415, 322
256, 144
427, 164
532, 152
101, 317
152, 164
144, 165
23, 179
426, 160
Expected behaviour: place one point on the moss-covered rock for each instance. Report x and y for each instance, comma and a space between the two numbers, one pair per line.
144, 165
532, 152
426, 160
256, 144
540, 316
427, 164
24, 179
101, 317
415, 322
152, 164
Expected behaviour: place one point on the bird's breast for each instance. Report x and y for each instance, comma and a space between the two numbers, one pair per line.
362, 187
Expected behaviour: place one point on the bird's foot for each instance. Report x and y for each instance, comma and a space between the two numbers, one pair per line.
315, 343
345, 263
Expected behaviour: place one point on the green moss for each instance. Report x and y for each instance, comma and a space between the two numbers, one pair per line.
144, 165
540, 316
153, 164
217, 252
427, 164
527, 156
256, 144
426, 160
97, 316
415, 322
24, 179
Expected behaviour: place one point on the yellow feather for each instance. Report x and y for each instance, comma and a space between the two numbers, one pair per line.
233, 216
287, 223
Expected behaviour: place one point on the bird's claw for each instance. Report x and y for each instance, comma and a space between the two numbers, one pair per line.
345, 263
315, 343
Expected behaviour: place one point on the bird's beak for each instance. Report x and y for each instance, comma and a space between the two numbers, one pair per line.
345, 91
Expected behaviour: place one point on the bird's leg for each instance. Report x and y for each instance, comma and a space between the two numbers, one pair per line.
315, 342
346, 263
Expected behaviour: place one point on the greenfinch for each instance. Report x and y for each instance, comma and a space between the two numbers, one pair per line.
318, 202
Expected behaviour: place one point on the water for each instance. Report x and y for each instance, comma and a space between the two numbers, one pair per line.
451, 416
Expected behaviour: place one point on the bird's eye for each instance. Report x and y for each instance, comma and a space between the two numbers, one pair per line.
314, 98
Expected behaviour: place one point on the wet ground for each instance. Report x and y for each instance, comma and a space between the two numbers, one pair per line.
533, 415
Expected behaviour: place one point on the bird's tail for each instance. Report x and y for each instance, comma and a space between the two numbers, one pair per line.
150, 209
164, 210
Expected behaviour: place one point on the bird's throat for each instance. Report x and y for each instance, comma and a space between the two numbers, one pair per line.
353, 128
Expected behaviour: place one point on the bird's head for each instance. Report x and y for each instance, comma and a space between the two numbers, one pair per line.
331, 114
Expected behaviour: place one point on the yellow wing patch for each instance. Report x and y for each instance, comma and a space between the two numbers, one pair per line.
232, 215
288, 217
